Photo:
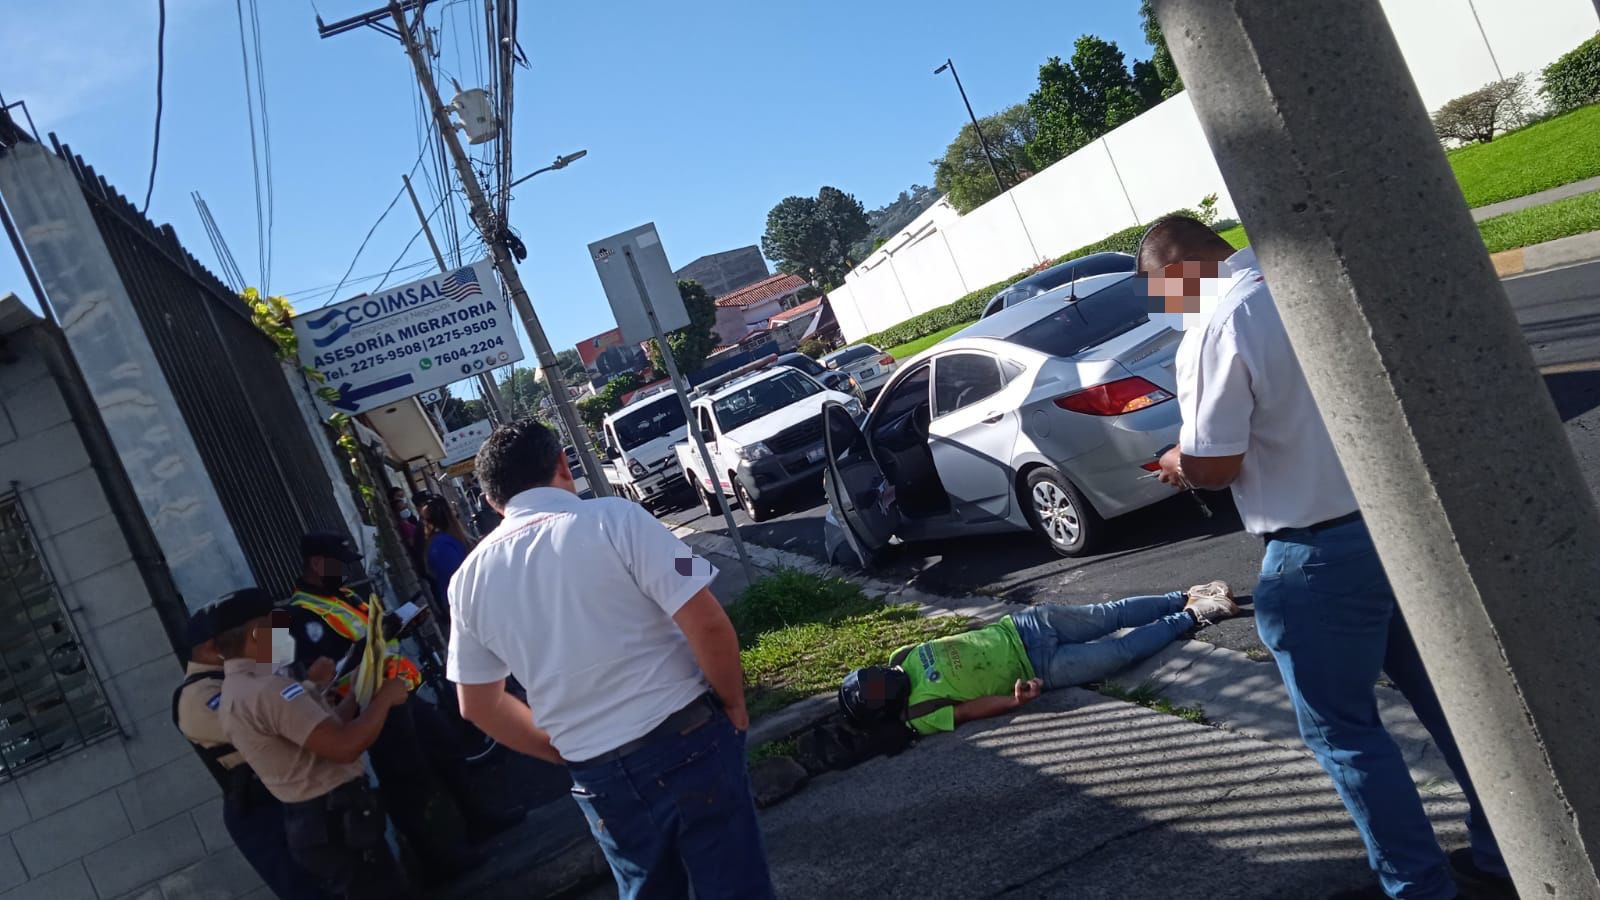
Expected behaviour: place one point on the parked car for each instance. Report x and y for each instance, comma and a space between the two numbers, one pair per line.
639, 437
868, 365
1056, 276
832, 379
1046, 416
763, 430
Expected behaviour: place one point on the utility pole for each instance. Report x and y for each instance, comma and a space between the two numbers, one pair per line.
982, 141
483, 216
491, 394
1447, 433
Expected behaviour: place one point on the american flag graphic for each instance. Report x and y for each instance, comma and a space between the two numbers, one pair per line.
461, 284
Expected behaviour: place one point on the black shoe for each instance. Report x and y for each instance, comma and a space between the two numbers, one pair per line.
1482, 882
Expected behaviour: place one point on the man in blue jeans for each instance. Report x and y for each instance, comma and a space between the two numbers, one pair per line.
940, 684
631, 669
1323, 605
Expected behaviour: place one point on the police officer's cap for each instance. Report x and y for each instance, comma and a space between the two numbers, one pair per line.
330, 545
238, 608
200, 627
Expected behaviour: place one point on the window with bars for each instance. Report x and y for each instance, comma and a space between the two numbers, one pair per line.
50, 700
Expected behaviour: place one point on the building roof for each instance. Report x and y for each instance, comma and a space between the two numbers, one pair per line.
806, 308
762, 291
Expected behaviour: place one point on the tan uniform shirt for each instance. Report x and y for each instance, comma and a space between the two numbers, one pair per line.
268, 717
197, 713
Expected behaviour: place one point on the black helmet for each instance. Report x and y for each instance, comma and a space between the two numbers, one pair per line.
874, 695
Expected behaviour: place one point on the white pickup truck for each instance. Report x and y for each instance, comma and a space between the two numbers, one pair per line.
639, 438
764, 432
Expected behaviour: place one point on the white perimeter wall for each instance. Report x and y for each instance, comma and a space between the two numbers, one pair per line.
1160, 162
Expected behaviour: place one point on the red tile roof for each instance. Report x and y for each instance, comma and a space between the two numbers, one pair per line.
803, 309
762, 291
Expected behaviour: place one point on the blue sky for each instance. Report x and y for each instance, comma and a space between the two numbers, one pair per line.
698, 116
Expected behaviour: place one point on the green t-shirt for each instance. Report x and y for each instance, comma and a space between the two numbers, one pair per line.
966, 666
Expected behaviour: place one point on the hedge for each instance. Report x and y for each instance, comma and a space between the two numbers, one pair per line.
1574, 79
969, 307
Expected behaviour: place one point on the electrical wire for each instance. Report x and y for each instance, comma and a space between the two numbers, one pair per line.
407, 248
381, 217
266, 138
161, 71
255, 160
360, 279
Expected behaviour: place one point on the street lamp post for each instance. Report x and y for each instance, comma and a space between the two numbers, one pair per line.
561, 163
982, 142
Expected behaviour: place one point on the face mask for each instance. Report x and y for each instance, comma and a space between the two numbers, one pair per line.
407, 514
282, 648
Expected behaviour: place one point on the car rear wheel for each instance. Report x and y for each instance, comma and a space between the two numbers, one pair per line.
756, 511
1061, 514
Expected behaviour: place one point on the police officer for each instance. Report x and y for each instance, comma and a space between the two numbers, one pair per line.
306, 754
417, 758
253, 817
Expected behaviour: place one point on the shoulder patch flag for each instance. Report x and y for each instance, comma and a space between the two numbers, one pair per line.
214, 702
292, 691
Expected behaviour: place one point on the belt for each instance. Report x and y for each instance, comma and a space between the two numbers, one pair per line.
1284, 534
697, 713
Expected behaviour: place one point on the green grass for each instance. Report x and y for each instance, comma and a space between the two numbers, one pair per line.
1147, 696
912, 348
1554, 152
1235, 236
1538, 224
785, 747
801, 633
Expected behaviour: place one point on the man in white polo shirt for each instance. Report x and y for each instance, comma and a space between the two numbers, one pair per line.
631, 669
1323, 605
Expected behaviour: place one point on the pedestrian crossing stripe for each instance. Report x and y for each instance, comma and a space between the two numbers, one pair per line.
292, 691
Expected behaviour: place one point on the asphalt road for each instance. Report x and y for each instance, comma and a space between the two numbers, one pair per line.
1171, 545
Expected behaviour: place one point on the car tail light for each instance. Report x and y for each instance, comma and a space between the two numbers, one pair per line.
1114, 398
1153, 465
887, 360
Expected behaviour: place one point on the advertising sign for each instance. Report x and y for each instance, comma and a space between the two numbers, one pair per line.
621, 281
463, 443
402, 341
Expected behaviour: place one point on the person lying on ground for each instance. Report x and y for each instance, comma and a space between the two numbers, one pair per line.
938, 685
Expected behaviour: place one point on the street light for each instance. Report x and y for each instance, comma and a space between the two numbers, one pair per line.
561, 163
987, 153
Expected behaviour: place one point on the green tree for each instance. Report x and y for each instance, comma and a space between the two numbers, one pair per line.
571, 364
812, 236
593, 410
963, 174
692, 343
1157, 78
523, 393
459, 413
1080, 100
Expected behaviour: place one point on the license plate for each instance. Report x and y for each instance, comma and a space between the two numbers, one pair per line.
814, 454
867, 373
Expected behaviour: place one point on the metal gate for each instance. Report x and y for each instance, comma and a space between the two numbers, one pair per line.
229, 385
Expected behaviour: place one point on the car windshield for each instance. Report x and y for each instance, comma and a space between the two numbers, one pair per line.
1097, 318
650, 421
804, 363
851, 354
757, 399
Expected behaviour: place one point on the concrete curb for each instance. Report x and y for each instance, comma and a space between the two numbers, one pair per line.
1548, 255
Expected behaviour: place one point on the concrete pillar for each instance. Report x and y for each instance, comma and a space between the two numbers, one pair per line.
1444, 427
122, 372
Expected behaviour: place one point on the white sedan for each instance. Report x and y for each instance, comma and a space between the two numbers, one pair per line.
868, 365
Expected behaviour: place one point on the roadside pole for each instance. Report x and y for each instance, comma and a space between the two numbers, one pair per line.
681, 388
491, 394
483, 215
1444, 427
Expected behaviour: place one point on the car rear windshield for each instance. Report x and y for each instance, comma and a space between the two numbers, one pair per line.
760, 398
653, 420
804, 363
851, 354
1075, 327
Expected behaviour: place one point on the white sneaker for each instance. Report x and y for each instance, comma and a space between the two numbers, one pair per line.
1209, 589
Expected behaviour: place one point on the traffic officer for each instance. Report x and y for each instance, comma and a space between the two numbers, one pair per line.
306, 754
253, 817
416, 758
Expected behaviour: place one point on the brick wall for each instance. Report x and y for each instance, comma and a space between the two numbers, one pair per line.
134, 814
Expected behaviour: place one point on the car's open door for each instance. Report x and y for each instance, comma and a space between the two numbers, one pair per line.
863, 513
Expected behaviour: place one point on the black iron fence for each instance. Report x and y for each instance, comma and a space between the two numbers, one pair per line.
228, 383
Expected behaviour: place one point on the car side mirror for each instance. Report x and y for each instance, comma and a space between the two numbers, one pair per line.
612, 454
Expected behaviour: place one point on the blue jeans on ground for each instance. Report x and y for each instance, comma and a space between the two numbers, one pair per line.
678, 814
1325, 610
1061, 639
